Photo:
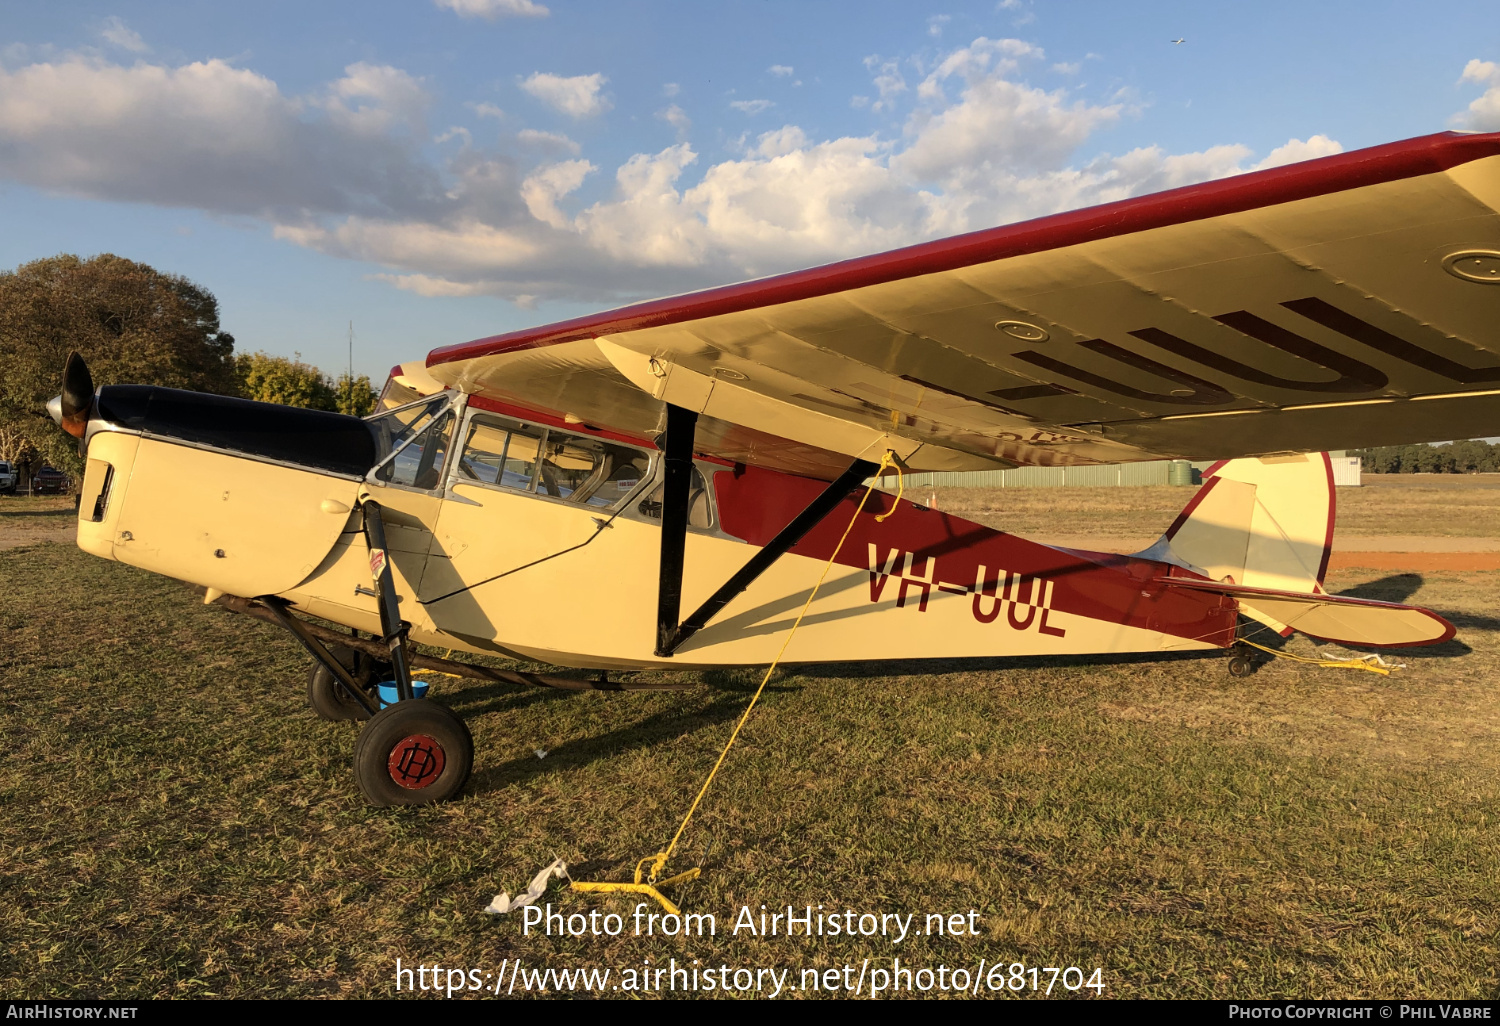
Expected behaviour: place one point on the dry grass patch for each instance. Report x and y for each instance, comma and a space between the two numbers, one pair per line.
177, 822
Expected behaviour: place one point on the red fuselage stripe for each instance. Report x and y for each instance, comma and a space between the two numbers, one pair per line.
927, 549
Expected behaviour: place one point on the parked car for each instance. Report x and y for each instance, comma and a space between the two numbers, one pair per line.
49, 481
7, 478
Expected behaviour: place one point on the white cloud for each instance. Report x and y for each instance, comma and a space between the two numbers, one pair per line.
377, 97
1483, 115
492, 9
670, 89
888, 81
981, 59
577, 97
547, 142
996, 125
487, 110
782, 70
1300, 149
677, 118
214, 136
117, 33
465, 246
1067, 68
935, 24
752, 107
427, 285
545, 186
346, 170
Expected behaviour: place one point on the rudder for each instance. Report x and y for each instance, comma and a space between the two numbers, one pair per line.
1264, 522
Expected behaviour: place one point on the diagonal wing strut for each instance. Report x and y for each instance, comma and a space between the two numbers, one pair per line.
677, 447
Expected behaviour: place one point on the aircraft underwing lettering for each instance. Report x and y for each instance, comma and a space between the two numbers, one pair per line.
1354, 377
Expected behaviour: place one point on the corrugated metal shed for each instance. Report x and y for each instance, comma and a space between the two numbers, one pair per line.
1111, 475
1346, 471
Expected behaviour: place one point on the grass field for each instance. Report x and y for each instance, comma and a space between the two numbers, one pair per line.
177, 823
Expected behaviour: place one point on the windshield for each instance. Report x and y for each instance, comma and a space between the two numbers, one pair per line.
396, 428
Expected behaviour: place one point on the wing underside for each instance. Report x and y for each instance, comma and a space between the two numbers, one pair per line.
1339, 303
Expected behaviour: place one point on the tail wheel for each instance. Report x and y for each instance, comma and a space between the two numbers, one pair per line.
327, 697
413, 753
1241, 666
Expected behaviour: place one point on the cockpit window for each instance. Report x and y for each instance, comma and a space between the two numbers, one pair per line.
548, 461
700, 506
394, 428
420, 464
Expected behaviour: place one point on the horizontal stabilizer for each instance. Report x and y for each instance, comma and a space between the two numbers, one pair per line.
1351, 621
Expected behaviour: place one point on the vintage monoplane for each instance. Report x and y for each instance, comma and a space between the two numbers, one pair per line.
561, 494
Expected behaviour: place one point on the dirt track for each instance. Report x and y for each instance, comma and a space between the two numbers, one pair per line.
1375, 552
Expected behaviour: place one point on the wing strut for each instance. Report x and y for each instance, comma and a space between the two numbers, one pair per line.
670, 634
677, 449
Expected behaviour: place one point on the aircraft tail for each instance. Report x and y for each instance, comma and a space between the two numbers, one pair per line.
1264, 523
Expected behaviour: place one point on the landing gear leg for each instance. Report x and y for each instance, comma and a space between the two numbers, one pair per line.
1240, 662
410, 753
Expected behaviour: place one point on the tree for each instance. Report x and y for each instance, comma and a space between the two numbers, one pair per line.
1463, 457
131, 323
355, 396
276, 379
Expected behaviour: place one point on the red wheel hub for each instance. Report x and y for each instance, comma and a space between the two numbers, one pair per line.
416, 761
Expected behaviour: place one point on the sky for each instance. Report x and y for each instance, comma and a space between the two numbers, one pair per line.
435, 171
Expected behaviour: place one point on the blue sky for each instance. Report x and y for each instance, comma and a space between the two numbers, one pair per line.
440, 170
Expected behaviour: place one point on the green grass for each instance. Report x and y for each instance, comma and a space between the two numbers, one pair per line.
177, 823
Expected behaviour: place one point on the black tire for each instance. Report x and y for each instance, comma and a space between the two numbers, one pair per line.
413, 753
327, 698
1241, 666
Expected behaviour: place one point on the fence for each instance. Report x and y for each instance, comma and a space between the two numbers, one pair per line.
1111, 475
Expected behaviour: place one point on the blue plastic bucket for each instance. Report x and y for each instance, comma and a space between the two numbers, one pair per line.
388, 691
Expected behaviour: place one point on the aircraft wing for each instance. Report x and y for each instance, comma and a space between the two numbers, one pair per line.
1348, 301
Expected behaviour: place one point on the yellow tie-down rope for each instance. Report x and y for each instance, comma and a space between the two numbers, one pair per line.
647, 883
1372, 663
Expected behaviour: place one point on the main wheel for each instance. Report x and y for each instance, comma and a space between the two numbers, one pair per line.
413, 753
327, 697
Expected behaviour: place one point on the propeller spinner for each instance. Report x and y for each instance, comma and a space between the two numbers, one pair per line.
71, 409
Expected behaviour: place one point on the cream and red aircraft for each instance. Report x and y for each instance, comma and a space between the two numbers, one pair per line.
563, 494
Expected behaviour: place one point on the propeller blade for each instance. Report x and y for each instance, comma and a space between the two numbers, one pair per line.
77, 396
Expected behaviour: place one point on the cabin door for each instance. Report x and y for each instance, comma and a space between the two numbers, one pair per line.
522, 527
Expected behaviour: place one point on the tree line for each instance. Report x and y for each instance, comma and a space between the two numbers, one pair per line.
1468, 457
132, 324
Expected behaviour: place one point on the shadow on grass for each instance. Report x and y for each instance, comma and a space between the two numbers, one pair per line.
970, 664
483, 697
572, 755
1395, 588
1468, 621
